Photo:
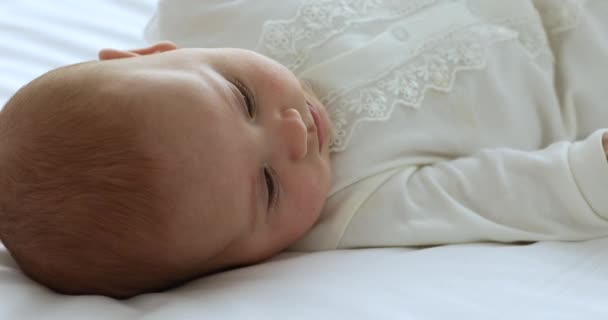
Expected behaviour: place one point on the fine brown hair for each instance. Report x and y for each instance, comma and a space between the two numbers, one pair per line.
80, 203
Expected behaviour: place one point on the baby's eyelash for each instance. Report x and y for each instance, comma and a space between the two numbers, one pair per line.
248, 97
271, 186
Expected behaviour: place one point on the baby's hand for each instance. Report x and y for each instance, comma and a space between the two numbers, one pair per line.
605, 143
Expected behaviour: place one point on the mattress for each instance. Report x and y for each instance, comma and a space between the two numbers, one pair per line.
546, 280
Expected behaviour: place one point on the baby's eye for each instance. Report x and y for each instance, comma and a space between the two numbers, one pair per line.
247, 97
270, 187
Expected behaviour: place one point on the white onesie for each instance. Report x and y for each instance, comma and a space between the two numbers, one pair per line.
454, 120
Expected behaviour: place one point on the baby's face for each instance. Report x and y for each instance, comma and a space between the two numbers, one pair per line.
245, 144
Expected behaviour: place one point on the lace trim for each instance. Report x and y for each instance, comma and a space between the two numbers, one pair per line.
290, 41
434, 67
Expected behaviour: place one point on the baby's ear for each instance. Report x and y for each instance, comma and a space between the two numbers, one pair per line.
110, 54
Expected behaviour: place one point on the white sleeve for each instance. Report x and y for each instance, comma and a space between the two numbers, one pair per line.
559, 193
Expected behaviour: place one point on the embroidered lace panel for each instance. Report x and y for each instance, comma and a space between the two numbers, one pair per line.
435, 63
433, 68
317, 21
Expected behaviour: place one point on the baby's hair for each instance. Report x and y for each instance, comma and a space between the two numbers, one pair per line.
79, 199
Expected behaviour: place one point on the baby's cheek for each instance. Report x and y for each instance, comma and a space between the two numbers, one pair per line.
312, 202
308, 188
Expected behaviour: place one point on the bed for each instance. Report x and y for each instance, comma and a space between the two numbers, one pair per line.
545, 280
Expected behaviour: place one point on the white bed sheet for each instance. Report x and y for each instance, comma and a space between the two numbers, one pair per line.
38, 35
476, 281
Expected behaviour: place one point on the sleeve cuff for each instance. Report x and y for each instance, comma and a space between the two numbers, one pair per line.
590, 169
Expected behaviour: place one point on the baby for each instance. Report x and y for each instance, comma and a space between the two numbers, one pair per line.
154, 166
451, 122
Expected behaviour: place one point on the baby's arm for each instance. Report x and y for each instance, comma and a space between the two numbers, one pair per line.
559, 193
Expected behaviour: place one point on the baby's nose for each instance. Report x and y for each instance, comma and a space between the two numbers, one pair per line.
294, 134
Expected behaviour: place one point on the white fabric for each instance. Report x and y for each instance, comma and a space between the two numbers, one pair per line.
557, 281
440, 111
40, 35
475, 281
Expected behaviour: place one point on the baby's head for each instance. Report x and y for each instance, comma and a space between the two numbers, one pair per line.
156, 166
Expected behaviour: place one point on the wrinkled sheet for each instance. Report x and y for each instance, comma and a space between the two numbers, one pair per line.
476, 281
